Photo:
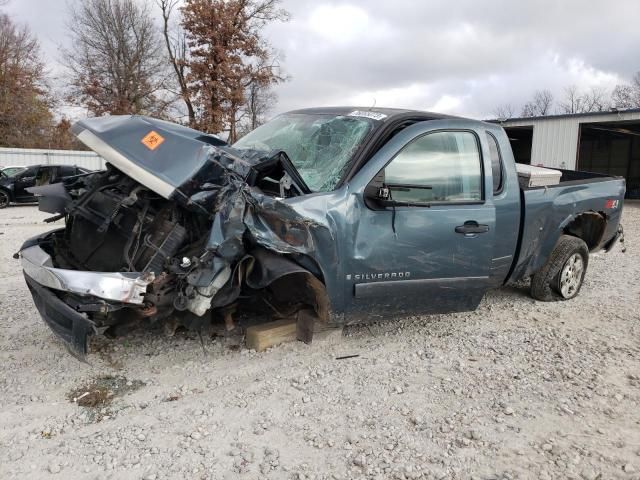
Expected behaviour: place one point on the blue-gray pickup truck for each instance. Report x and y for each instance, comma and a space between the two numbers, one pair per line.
334, 215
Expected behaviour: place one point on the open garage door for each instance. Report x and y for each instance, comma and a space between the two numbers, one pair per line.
521, 139
612, 148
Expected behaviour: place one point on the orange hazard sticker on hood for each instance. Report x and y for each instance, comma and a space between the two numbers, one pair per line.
152, 140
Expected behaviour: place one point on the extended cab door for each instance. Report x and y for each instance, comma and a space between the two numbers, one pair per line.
506, 201
426, 223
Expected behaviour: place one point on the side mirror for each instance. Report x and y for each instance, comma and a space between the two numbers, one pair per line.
376, 193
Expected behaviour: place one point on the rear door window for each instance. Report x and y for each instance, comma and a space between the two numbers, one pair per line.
67, 171
497, 169
45, 175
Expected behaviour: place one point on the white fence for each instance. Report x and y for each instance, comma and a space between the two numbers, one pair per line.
36, 156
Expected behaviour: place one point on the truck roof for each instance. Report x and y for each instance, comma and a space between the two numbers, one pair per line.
391, 113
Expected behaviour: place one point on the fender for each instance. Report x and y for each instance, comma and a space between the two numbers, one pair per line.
593, 238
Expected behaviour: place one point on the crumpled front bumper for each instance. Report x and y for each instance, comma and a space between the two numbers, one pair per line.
126, 287
72, 326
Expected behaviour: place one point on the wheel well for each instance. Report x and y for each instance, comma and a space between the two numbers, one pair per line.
289, 281
8, 193
302, 288
589, 226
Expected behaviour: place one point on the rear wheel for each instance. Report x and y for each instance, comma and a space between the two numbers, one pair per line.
4, 199
563, 274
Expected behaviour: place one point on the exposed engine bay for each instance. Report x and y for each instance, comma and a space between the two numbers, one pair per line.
223, 240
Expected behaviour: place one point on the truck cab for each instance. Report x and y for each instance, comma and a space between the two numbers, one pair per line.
437, 215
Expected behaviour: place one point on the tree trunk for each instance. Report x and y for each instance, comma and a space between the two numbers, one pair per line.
182, 82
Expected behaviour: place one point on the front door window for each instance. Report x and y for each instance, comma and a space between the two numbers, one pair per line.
440, 167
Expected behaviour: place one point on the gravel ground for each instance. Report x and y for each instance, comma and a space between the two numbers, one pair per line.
517, 389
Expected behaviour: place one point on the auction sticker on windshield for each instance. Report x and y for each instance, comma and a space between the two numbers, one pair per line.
365, 114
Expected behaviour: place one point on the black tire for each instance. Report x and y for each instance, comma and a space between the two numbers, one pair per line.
550, 284
4, 199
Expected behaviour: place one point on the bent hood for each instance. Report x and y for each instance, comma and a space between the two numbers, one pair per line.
175, 161
160, 155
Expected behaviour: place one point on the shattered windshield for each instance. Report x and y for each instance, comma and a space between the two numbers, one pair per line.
320, 146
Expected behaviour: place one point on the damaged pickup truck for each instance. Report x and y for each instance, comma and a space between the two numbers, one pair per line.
346, 215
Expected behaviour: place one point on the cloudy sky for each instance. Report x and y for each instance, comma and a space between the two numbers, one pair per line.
455, 56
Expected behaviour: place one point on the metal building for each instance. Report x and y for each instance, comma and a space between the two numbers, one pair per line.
603, 142
36, 156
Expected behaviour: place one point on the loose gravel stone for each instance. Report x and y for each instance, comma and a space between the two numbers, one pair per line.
518, 389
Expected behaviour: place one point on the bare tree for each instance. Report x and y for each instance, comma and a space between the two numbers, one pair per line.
176, 45
62, 137
572, 101
116, 63
627, 95
25, 101
504, 112
259, 95
595, 100
623, 97
260, 101
540, 105
227, 55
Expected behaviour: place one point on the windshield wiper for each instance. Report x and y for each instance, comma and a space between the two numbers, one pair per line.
405, 187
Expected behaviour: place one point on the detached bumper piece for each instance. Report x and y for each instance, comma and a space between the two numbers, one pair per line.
72, 327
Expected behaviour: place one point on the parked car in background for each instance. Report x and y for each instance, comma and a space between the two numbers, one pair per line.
13, 188
10, 170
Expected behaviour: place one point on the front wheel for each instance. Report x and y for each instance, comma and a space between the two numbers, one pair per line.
562, 276
4, 199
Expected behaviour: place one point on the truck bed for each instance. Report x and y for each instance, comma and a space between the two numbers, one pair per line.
575, 177
546, 211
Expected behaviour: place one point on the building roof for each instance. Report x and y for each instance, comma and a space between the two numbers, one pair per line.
565, 115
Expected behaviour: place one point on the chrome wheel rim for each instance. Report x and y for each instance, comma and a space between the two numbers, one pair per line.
571, 275
4, 200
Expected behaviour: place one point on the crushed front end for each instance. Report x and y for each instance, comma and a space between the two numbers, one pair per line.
173, 233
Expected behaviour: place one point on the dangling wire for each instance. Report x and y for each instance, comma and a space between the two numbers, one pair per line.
393, 215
